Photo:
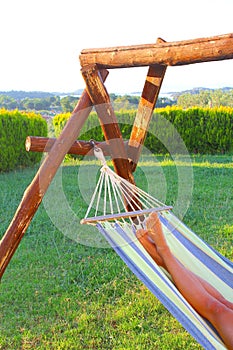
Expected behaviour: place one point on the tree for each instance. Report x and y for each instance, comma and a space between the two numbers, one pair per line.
68, 103
206, 98
8, 102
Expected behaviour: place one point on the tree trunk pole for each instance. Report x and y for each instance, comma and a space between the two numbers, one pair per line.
36, 190
146, 107
108, 121
109, 124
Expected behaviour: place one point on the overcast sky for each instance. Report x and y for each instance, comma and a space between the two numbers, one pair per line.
41, 41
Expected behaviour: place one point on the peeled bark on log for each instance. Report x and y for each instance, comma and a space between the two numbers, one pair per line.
44, 144
165, 53
146, 107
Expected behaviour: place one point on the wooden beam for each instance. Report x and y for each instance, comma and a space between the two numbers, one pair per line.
165, 53
36, 190
108, 121
79, 147
146, 107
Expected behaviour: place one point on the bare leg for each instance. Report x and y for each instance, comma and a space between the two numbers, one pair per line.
203, 297
154, 225
211, 290
150, 247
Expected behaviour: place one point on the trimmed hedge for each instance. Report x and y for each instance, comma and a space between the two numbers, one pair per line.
90, 130
15, 126
203, 130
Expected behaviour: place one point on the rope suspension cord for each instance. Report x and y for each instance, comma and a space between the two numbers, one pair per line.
113, 193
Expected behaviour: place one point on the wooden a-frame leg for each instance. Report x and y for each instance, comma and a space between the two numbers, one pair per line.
36, 190
146, 106
101, 100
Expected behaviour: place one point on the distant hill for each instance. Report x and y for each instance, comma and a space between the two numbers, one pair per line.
196, 91
20, 95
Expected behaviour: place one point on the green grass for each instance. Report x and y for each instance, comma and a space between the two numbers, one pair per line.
59, 294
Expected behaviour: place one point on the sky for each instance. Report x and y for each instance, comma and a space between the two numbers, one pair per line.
41, 41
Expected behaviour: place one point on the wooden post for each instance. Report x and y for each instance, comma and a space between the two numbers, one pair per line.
146, 107
36, 190
108, 121
100, 98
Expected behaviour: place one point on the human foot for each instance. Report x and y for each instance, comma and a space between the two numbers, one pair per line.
155, 231
150, 247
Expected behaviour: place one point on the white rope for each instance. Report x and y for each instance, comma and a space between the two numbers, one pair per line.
105, 194
130, 196
146, 197
118, 193
110, 196
99, 193
94, 195
114, 187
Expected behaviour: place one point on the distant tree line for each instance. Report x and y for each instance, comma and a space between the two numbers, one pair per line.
29, 104
206, 98
127, 102
63, 104
50, 104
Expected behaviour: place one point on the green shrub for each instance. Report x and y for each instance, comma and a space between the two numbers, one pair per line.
203, 130
15, 126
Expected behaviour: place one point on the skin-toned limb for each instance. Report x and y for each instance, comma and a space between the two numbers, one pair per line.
150, 247
144, 239
211, 290
207, 301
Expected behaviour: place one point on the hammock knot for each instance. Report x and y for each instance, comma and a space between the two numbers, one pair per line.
99, 155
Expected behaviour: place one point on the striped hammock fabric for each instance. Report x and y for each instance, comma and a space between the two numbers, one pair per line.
111, 197
192, 252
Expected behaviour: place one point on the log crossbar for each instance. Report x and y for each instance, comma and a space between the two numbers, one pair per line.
165, 53
125, 155
79, 147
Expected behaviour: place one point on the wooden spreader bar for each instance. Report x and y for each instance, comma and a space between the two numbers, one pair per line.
124, 155
125, 215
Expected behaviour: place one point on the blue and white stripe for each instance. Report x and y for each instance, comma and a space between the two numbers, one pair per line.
191, 251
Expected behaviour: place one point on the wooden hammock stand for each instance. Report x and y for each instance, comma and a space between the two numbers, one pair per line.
94, 63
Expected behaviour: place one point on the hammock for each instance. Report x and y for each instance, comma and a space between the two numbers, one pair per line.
110, 199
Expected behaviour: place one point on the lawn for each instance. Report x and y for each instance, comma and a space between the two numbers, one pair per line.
65, 289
